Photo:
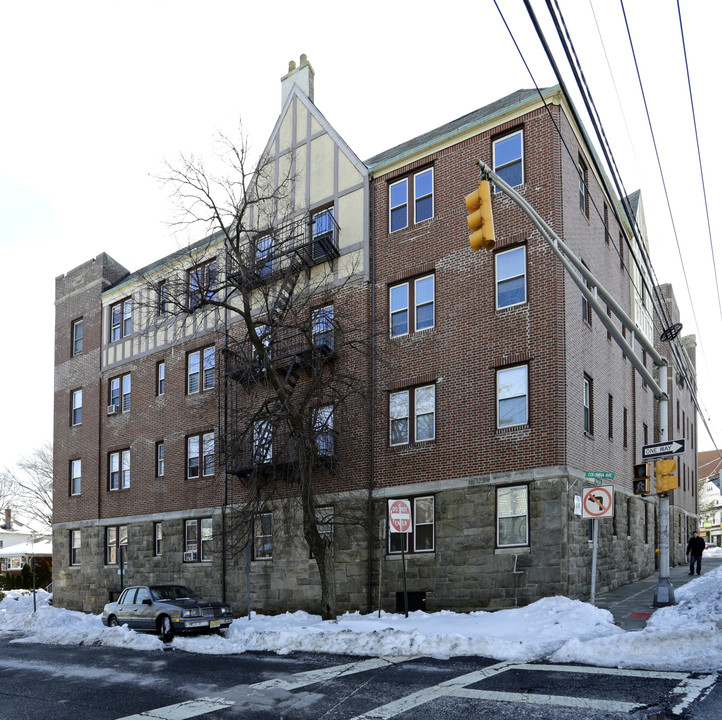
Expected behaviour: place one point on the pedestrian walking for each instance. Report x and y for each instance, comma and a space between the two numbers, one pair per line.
695, 548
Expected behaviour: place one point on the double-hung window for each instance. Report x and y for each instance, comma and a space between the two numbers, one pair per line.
116, 538
120, 392
160, 459
75, 547
323, 431
163, 297
77, 337
198, 540
75, 476
262, 442
264, 255
202, 284
512, 396
588, 406
510, 277
119, 470
411, 305
263, 536
201, 370
157, 539
583, 188
322, 327
76, 407
324, 233
201, 455
121, 320
509, 158
421, 537
512, 515
417, 191
160, 378
412, 415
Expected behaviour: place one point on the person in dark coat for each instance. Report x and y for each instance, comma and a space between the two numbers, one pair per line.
695, 548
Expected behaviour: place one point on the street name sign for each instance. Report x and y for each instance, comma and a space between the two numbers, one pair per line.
600, 475
673, 447
400, 516
598, 502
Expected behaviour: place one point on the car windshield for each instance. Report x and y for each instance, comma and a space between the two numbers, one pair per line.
173, 592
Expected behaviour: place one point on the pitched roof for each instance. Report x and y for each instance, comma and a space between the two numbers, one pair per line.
476, 117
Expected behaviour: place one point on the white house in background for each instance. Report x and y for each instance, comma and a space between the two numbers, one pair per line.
16, 538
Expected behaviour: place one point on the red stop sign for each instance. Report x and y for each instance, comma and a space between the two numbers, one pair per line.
400, 516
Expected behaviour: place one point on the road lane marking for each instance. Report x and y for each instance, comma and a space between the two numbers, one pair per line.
184, 710
691, 689
310, 677
539, 699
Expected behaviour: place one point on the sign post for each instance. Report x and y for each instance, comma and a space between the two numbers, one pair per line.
400, 522
598, 502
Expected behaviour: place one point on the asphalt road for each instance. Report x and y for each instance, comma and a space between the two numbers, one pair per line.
40, 682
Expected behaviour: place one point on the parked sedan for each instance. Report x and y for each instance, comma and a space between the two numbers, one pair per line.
166, 610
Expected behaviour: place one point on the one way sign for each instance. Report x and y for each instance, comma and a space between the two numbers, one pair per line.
673, 447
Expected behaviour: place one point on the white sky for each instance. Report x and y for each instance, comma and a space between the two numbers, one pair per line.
97, 95
686, 636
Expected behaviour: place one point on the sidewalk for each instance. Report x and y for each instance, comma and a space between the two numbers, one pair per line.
632, 605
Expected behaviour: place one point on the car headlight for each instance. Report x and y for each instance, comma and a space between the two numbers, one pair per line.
226, 610
191, 612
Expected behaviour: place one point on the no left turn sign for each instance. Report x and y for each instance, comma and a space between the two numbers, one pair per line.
598, 502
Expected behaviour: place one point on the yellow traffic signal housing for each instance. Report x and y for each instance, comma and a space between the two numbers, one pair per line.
665, 474
481, 222
640, 484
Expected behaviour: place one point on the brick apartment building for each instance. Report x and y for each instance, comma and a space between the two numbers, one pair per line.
490, 386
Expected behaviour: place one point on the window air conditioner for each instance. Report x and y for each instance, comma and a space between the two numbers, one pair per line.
113, 409
189, 556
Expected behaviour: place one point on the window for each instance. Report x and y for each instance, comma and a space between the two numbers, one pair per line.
75, 547
588, 406
264, 335
119, 470
421, 537
120, 393
202, 284
201, 366
163, 300
586, 305
263, 537
262, 442
510, 277
323, 431
621, 251
583, 188
116, 537
75, 476
201, 455
419, 404
160, 459
160, 378
157, 538
77, 337
512, 516
324, 518
195, 530
421, 184
323, 233
624, 428
610, 413
512, 396
509, 158
76, 407
121, 320
264, 257
417, 297
322, 327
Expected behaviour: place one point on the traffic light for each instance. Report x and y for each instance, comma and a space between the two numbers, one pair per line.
640, 484
481, 223
665, 475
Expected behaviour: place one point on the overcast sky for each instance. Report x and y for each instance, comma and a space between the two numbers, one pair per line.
96, 96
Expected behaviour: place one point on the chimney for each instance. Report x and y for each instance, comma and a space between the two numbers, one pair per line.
8, 519
301, 75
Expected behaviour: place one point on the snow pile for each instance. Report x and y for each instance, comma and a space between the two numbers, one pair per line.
687, 636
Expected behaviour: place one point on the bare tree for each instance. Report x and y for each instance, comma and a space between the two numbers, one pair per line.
706, 508
293, 372
31, 490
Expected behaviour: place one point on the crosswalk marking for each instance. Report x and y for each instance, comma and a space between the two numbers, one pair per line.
184, 710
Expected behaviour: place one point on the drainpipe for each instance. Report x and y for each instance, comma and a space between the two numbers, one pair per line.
372, 476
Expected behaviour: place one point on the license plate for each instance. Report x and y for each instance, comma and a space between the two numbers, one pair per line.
215, 623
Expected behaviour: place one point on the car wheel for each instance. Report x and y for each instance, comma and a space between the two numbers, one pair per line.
112, 621
165, 628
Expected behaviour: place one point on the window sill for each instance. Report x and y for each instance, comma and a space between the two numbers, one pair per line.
410, 553
514, 550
